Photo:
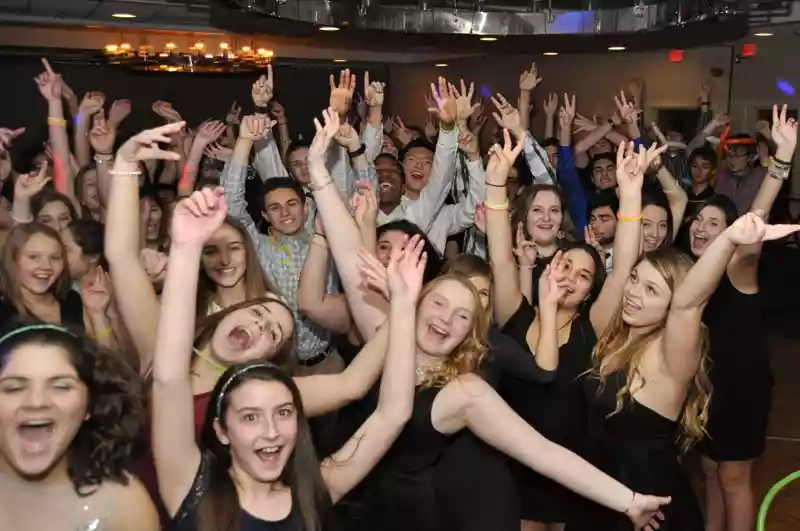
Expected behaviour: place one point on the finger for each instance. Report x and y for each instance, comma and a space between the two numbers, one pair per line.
503, 100
190, 205
47, 67
497, 119
471, 90
776, 232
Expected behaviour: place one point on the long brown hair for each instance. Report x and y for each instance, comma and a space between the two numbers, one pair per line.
17, 239
467, 356
522, 204
616, 351
471, 265
256, 283
219, 506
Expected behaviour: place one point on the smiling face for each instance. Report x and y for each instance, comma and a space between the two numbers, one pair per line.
225, 257
417, 165
298, 165
390, 182
388, 241
89, 193
252, 333
261, 428
284, 210
654, 227
646, 297
545, 216
155, 215
444, 318
579, 268
55, 215
39, 264
43, 403
706, 226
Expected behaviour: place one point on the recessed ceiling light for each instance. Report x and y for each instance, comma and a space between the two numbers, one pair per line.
328, 28
616, 48
551, 54
340, 60
488, 39
763, 34
441, 65
123, 15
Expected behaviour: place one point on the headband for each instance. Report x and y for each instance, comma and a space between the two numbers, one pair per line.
235, 374
28, 328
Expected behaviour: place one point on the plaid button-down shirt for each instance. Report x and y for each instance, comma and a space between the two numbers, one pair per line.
282, 258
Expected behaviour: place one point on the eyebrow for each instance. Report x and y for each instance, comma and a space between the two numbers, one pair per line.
280, 328
50, 379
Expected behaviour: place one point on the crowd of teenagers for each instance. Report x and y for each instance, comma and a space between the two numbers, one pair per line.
388, 328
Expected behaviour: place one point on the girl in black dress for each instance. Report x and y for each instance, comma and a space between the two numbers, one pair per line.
575, 305
740, 369
256, 468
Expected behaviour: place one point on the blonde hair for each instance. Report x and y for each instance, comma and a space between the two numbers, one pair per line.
467, 356
616, 351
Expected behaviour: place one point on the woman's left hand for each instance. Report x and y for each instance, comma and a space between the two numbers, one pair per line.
644, 511
318, 151
97, 291
784, 133
751, 228
406, 270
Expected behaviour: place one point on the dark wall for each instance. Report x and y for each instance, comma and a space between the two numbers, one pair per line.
302, 89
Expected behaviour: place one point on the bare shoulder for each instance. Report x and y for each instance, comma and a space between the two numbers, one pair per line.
132, 507
450, 406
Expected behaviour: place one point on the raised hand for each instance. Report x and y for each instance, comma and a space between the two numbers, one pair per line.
102, 135
164, 109
318, 151
196, 218
373, 92
342, 95
529, 79
49, 83
7, 136
567, 113
263, 89
525, 250
583, 123
91, 104
119, 110
69, 96
751, 228
445, 97
401, 132
144, 146
347, 137
217, 151
551, 104
255, 127
429, 128
551, 283
234, 116
30, 184
365, 206
644, 511
501, 159
406, 270
468, 143
631, 165
590, 238
277, 111
784, 133
636, 87
464, 106
154, 264
627, 109
209, 132
96, 291
507, 116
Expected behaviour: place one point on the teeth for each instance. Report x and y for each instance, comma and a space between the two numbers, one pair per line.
227, 270
271, 450
385, 186
37, 423
439, 331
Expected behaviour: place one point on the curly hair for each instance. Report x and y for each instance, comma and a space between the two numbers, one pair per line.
101, 450
468, 355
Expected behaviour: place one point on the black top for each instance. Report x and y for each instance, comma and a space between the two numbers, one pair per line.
187, 517
71, 312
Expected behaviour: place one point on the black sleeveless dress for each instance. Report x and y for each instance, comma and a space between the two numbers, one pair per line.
71, 313
638, 447
187, 518
555, 409
740, 373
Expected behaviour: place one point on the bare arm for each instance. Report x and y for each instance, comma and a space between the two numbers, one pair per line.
135, 510
328, 310
676, 197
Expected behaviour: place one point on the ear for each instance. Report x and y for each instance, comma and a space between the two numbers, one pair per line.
264, 215
220, 432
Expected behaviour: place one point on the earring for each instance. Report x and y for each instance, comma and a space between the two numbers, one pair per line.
560, 234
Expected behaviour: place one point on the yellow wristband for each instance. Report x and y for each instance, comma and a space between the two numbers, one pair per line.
630, 218
490, 206
104, 334
60, 122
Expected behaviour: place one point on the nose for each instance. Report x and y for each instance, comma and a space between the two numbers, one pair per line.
270, 428
224, 257
36, 397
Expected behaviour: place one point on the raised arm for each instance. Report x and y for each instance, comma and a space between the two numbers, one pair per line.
676, 197
50, 86
546, 353
92, 103
682, 349
506, 289
369, 309
133, 291
343, 470
177, 457
630, 177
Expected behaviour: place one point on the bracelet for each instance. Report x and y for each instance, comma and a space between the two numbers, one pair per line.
778, 172
19, 221
318, 188
447, 128
526, 266
102, 158
629, 218
496, 185
104, 334
780, 162
627, 510
60, 122
490, 206
125, 173
357, 153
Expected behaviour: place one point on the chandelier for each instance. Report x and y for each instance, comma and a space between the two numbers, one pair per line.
197, 58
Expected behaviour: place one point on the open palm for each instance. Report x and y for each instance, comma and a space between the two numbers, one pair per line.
406, 270
196, 218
